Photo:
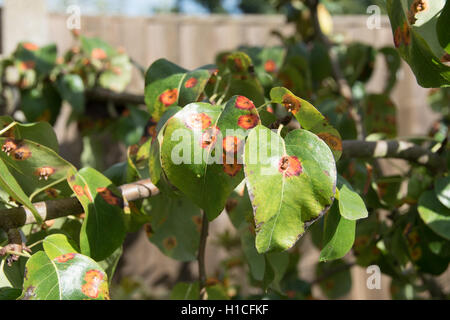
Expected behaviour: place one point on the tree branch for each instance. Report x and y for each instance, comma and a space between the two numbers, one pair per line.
393, 149
52, 209
119, 98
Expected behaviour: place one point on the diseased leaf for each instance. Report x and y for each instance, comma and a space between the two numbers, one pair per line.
56, 245
201, 152
276, 170
103, 228
70, 276
175, 227
309, 118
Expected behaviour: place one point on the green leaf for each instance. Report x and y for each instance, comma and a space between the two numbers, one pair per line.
276, 170
175, 227
434, 214
197, 165
44, 58
9, 184
110, 263
442, 27
56, 245
309, 118
336, 285
41, 103
103, 228
416, 40
34, 166
40, 132
185, 291
217, 292
393, 63
442, 190
89, 45
167, 84
338, 236
351, 206
68, 277
71, 88
118, 74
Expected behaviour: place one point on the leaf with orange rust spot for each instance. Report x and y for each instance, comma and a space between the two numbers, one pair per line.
167, 84
175, 229
70, 276
195, 165
309, 118
103, 228
291, 183
417, 30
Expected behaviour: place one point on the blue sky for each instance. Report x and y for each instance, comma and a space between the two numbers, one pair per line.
133, 7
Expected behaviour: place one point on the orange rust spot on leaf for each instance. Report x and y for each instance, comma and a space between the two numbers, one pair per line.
291, 103
290, 166
198, 121
248, 121
98, 54
65, 257
244, 103
30, 46
270, 66
190, 83
93, 280
109, 197
169, 97
44, 172
87, 193
332, 141
78, 190
209, 137
21, 153
51, 192
9, 146
231, 144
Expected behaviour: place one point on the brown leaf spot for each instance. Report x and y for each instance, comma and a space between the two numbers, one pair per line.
9, 146
109, 197
21, 153
291, 103
170, 243
44, 172
332, 141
